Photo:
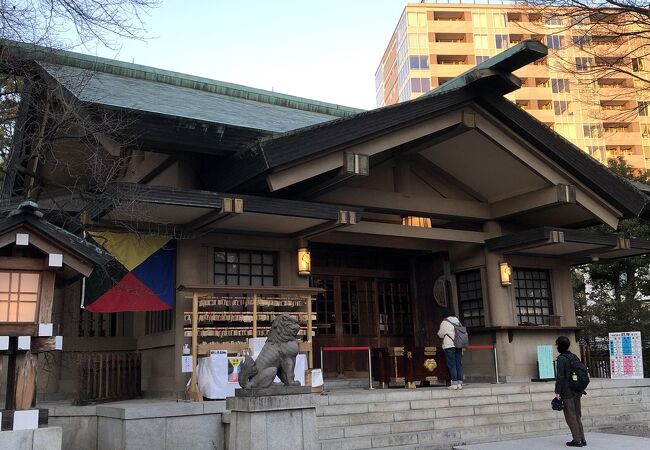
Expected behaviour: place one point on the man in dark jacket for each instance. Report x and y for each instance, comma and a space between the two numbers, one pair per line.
570, 399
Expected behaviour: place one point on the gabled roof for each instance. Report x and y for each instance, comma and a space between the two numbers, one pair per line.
28, 215
483, 85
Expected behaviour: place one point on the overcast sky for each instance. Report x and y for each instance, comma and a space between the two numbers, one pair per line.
323, 50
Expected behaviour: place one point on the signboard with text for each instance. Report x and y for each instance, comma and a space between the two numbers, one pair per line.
625, 355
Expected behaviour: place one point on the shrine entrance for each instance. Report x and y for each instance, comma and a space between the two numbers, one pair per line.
367, 302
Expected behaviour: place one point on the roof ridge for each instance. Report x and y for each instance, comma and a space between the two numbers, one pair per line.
148, 73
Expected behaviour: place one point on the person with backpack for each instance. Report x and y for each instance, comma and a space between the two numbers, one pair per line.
454, 339
571, 379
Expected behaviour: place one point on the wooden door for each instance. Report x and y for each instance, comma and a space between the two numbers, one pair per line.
358, 311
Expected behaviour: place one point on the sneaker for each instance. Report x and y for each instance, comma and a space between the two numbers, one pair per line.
452, 387
575, 444
460, 386
584, 443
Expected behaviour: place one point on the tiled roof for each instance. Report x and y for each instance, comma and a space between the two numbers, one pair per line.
176, 100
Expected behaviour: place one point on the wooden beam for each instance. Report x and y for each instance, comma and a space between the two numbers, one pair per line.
412, 205
42, 344
46, 297
158, 169
434, 234
18, 329
20, 263
229, 207
373, 145
554, 195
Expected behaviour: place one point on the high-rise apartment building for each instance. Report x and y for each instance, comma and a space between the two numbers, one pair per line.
605, 114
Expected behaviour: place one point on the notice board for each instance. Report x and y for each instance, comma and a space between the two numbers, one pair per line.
625, 355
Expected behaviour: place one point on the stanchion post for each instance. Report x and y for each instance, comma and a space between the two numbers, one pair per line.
321, 360
369, 370
496, 365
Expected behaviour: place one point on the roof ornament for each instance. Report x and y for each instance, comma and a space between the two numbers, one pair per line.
27, 207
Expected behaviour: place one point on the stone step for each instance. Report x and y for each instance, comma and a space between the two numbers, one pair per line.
445, 438
334, 415
431, 419
488, 394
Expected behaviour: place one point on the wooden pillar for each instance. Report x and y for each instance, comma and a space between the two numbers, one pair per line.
195, 394
26, 365
10, 399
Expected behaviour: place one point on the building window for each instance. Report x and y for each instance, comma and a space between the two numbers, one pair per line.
592, 130
638, 64
500, 20
643, 108
470, 298
325, 316
560, 107
533, 296
555, 42
501, 40
581, 41
350, 306
559, 85
420, 85
394, 308
419, 62
19, 296
583, 63
552, 20
100, 324
159, 321
480, 59
245, 268
481, 41
479, 20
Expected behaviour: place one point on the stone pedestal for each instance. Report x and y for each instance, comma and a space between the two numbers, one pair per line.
273, 418
37, 439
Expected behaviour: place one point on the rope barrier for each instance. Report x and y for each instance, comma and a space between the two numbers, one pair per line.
496, 362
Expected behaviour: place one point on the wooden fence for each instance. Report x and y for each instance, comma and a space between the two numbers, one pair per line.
597, 361
108, 376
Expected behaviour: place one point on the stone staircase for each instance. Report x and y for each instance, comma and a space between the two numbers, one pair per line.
437, 418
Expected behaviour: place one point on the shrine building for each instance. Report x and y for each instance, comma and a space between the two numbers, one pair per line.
458, 198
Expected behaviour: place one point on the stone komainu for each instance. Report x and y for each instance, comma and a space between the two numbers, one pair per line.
278, 357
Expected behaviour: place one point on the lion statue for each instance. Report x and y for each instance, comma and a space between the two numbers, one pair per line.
277, 358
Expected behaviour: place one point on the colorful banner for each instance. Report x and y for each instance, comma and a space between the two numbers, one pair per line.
140, 278
625, 355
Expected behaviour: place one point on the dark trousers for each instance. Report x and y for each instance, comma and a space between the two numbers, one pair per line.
454, 358
573, 416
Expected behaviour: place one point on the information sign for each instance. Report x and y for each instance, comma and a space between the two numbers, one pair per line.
625, 355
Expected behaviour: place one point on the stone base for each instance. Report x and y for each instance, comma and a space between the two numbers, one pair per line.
273, 390
37, 439
269, 422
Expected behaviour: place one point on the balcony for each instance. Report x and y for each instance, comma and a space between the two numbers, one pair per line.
535, 93
533, 71
453, 26
449, 70
543, 115
622, 138
452, 48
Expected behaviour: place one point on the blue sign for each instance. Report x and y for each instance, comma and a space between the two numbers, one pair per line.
545, 362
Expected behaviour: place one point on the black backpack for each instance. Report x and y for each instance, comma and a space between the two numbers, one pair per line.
579, 374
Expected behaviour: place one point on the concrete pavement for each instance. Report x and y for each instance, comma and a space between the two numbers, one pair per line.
595, 441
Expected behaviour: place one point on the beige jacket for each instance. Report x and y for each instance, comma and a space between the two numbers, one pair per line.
447, 332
